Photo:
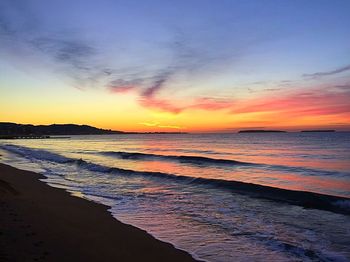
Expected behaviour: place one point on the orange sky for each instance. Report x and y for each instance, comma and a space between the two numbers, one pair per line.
325, 108
231, 66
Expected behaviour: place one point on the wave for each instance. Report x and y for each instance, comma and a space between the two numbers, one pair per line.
183, 150
302, 198
205, 161
198, 160
31, 153
305, 170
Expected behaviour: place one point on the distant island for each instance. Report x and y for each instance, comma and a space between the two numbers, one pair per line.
319, 130
261, 131
13, 130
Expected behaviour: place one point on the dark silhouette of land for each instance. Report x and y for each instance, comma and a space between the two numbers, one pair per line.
12, 129
261, 131
27, 131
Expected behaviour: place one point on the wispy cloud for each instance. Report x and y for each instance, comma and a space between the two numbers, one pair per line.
187, 55
159, 125
343, 87
328, 73
74, 58
314, 102
67, 51
149, 124
122, 89
177, 106
70, 55
158, 82
122, 86
160, 104
185, 60
211, 103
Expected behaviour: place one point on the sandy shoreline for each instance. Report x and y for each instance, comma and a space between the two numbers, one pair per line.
41, 223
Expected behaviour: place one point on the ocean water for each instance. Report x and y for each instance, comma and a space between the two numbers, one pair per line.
181, 188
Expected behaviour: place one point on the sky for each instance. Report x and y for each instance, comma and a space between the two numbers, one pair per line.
185, 65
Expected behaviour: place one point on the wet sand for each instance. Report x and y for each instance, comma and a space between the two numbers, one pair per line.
41, 223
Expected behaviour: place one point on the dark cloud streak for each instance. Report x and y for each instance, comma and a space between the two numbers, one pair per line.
328, 73
71, 56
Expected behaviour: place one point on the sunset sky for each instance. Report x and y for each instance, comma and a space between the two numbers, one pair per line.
176, 65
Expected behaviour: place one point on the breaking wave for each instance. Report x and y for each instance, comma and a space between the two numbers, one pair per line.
301, 198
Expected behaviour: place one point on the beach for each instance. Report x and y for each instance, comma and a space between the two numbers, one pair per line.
42, 223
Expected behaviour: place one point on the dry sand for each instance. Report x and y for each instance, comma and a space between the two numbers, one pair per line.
41, 223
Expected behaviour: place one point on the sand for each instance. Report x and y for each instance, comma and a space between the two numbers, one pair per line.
41, 223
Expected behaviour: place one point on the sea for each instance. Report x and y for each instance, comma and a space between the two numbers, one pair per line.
220, 197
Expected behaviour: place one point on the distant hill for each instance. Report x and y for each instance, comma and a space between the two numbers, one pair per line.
261, 131
55, 129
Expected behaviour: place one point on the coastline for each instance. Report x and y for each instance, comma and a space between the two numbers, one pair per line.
42, 223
